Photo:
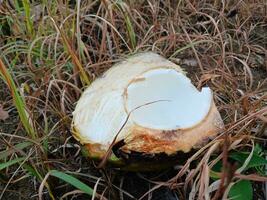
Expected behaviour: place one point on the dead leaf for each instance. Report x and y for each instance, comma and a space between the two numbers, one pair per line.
206, 77
3, 114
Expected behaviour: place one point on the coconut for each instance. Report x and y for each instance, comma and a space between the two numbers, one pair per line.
144, 106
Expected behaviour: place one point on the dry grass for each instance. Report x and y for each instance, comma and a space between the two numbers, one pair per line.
53, 49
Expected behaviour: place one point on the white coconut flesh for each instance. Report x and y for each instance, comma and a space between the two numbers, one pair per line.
144, 91
165, 99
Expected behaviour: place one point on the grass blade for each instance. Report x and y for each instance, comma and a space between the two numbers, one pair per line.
75, 60
73, 181
29, 23
8, 152
17, 99
130, 29
34, 172
9, 163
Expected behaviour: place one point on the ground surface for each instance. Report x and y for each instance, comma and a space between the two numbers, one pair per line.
47, 45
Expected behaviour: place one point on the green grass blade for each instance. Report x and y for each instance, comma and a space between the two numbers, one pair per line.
17, 99
73, 181
130, 31
34, 172
190, 45
75, 60
8, 152
121, 6
9, 163
29, 23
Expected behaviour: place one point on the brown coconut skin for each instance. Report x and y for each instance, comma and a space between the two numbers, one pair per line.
138, 162
151, 141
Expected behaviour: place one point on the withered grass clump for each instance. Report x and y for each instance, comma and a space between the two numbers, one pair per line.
51, 50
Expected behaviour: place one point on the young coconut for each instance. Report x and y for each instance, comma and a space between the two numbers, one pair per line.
144, 106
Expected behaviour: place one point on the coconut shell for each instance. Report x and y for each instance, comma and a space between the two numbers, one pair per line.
133, 144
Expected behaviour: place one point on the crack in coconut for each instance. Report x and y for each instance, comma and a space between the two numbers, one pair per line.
166, 112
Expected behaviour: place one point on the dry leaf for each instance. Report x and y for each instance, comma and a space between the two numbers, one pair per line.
3, 114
